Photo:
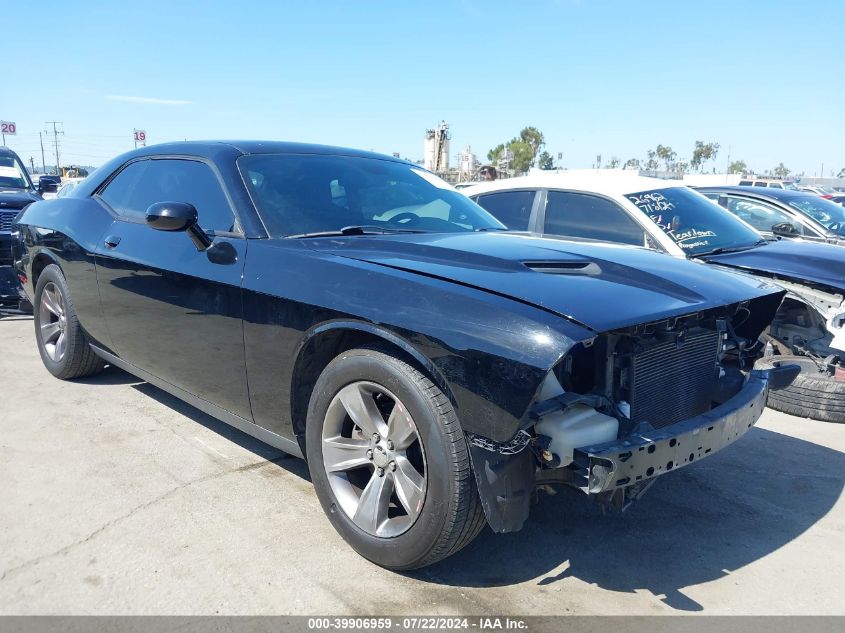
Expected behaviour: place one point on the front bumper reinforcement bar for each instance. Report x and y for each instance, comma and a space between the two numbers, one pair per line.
642, 456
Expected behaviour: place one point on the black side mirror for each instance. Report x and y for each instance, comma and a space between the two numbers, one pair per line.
178, 216
785, 229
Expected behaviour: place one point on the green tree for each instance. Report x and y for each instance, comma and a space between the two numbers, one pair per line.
738, 167
702, 153
523, 155
667, 155
546, 161
781, 171
533, 137
651, 164
632, 163
524, 150
496, 154
613, 163
841, 173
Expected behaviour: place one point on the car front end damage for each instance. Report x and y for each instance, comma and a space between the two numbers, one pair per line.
626, 406
812, 320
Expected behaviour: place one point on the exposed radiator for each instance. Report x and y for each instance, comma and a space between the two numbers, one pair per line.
674, 379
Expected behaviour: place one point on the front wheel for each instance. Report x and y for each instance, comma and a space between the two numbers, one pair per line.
814, 393
389, 461
62, 342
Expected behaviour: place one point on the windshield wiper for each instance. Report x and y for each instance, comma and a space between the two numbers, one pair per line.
356, 230
493, 228
733, 249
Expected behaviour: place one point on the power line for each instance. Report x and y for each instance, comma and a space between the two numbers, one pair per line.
56, 133
43, 164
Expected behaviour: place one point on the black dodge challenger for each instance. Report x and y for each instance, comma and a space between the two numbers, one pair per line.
355, 310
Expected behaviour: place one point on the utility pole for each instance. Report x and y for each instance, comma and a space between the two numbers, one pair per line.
56, 133
43, 164
32, 164
728, 168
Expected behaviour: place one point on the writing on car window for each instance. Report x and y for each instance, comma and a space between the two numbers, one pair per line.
697, 225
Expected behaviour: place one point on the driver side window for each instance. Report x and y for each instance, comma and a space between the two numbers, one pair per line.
146, 182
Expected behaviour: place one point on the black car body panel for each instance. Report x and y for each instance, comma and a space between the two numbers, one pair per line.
243, 328
822, 264
489, 354
612, 283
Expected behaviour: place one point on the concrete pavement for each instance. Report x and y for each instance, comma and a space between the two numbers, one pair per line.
117, 498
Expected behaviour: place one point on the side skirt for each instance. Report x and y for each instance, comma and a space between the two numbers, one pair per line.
268, 437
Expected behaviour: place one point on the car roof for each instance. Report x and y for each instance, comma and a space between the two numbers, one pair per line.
211, 147
768, 192
588, 181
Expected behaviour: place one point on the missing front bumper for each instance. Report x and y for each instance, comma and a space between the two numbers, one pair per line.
637, 458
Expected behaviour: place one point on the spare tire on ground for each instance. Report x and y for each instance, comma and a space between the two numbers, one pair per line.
814, 393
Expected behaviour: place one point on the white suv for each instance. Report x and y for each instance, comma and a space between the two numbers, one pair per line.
776, 184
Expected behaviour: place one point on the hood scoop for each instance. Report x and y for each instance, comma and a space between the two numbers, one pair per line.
559, 267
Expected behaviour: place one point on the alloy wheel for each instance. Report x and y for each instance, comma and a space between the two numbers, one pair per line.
374, 459
52, 322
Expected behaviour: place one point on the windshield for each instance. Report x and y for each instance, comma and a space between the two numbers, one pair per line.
791, 186
696, 224
308, 193
12, 174
821, 210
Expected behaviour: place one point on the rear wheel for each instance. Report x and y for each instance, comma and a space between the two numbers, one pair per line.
813, 394
389, 461
62, 342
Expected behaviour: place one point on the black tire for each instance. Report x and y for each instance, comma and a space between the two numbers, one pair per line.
78, 359
451, 515
813, 394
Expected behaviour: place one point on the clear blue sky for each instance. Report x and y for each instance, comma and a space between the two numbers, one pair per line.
608, 77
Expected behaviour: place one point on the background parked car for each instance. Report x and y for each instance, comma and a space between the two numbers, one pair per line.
763, 182
67, 186
824, 192
16, 192
783, 213
666, 216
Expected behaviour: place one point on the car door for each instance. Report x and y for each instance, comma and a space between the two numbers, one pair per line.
170, 309
515, 209
583, 215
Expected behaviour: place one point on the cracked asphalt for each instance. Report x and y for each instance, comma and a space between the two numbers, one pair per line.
118, 499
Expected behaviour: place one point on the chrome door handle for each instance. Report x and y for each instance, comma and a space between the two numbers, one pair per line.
112, 240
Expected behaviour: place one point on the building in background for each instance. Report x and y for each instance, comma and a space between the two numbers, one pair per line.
468, 164
436, 148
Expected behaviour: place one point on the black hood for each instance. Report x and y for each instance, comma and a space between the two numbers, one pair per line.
600, 286
14, 199
791, 259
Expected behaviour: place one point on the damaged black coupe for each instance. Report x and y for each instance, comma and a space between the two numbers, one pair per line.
355, 310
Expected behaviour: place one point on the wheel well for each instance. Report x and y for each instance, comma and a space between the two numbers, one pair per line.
799, 326
324, 347
40, 262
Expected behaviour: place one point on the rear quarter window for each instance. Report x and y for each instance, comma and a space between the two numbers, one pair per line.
511, 208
